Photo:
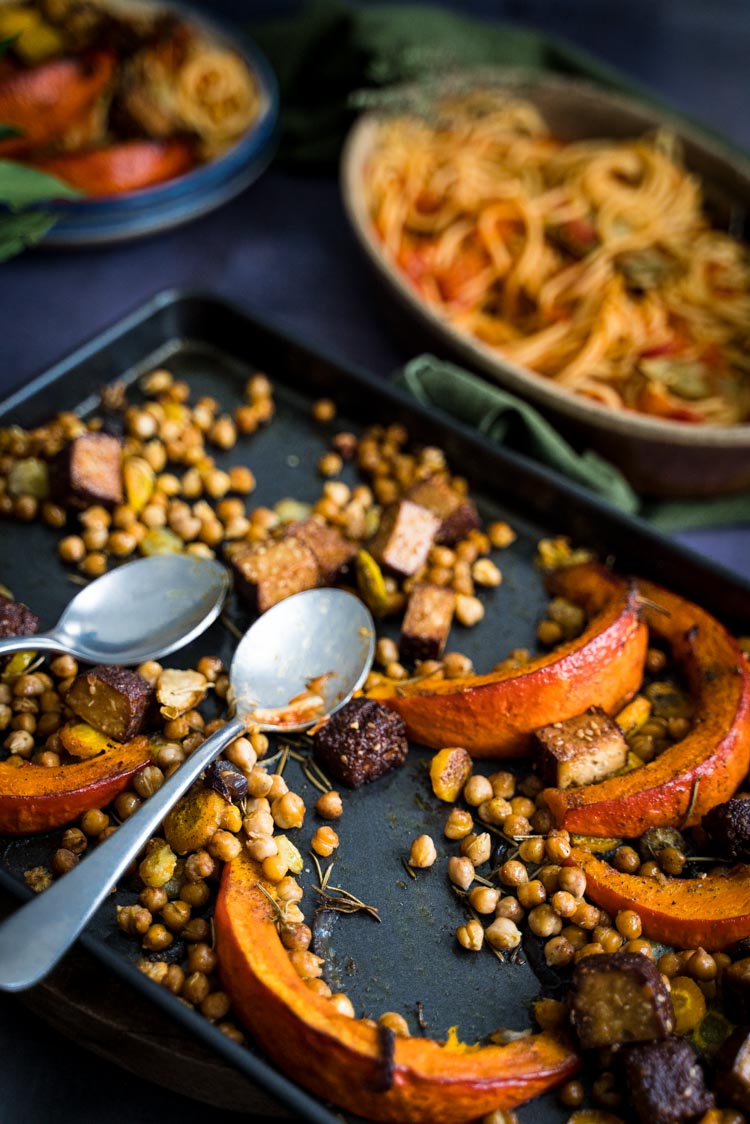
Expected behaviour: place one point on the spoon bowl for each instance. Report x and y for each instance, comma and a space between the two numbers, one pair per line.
325, 634
321, 632
140, 611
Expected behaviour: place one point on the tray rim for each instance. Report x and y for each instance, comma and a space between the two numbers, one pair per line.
254, 1065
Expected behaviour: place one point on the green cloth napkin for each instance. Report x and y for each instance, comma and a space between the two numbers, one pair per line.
509, 421
335, 57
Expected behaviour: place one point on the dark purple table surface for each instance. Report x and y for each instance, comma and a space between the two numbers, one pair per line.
284, 251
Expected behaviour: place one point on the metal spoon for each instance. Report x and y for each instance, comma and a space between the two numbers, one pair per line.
137, 612
318, 632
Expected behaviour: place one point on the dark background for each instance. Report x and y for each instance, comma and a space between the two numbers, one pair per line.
284, 251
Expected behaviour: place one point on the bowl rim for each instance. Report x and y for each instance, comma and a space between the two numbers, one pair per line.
522, 380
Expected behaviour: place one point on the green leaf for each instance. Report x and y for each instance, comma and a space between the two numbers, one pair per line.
21, 186
22, 230
9, 131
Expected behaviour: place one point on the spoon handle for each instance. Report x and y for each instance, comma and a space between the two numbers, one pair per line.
40, 932
39, 643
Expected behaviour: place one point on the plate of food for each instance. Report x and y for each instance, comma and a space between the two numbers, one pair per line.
502, 883
582, 249
153, 113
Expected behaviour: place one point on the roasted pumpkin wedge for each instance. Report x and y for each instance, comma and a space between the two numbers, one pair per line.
46, 100
695, 774
345, 1060
493, 715
116, 168
711, 912
36, 798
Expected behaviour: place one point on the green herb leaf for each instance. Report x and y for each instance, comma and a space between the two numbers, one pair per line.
9, 131
21, 230
21, 186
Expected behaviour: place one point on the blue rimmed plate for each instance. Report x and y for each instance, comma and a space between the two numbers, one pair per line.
135, 214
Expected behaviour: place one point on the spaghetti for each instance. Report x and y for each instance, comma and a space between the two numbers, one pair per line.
592, 263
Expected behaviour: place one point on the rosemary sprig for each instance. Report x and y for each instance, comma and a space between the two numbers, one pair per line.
408, 868
338, 899
231, 627
691, 805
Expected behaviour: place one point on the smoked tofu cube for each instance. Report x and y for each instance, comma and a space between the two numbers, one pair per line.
113, 700
580, 750
619, 997
16, 619
456, 513
403, 540
665, 1082
88, 471
332, 551
267, 572
733, 1065
427, 623
361, 742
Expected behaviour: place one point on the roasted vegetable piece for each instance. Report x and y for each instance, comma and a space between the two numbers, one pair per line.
427, 623
494, 715
456, 513
116, 168
194, 820
360, 743
728, 827
665, 1082
267, 572
88, 471
44, 101
580, 750
403, 540
37, 798
617, 998
343, 1059
710, 913
707, 766
114, 700
450, 769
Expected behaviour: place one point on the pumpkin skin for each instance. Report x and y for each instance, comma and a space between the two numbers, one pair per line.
695, 774
34, 798
46, 100
710, 913
339, 1058
117, 168
494, 715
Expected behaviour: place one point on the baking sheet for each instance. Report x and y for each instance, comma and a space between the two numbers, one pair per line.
412, 958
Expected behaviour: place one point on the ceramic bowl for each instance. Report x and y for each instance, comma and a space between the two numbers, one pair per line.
659, 457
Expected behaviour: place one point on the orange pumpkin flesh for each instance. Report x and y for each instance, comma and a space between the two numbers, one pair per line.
711, 912
695, 774
339, 1058
128, 166
493, 715
46, 100
35, 798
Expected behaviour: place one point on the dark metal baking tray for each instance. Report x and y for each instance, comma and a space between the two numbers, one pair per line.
412, 957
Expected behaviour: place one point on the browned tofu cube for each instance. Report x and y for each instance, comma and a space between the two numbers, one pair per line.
619, 997
665, 1082
733, 1066
16, 619
403, 540
267, 572
332, 551
426, 623
113, 700
456, 513
88, 471
580, 750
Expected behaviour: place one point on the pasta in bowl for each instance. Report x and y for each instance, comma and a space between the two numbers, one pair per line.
560, 238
